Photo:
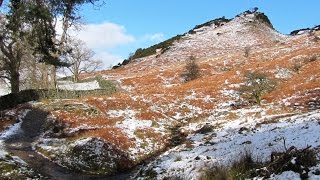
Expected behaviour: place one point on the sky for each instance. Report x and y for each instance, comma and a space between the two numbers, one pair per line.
119, 27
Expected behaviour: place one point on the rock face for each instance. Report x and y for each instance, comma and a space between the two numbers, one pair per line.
95, 156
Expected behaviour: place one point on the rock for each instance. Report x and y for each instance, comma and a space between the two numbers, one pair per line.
205, 129
95, 156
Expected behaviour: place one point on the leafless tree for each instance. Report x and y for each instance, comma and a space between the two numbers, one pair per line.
247, 50
191, 70
81, 59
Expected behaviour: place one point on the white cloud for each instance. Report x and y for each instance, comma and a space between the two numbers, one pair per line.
107, 37
104, 35
108, 59
157, 37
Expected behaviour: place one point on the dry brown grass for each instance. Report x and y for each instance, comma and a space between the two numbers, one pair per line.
146, 78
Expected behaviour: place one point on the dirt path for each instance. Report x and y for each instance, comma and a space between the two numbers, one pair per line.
20, 145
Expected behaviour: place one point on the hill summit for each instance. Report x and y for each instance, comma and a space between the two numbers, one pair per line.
248, 29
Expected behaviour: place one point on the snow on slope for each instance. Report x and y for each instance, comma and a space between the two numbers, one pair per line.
230, 139
245, 30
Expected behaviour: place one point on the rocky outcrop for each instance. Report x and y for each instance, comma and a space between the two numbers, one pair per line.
305, 30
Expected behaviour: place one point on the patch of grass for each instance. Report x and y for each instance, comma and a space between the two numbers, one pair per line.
215, 173
242, 168
106, 84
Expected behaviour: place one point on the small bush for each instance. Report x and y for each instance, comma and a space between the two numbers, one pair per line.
256, 85
312, 58
191, 70
247, 50
296, 67
244, 167
106, 84
293, 160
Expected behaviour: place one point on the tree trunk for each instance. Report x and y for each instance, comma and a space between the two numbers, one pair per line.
76, 77
53, 77
33, 75
14, 82
44, 76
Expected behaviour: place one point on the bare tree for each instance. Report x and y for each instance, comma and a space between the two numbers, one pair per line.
191, 70
12, 45
247, 50
81, 59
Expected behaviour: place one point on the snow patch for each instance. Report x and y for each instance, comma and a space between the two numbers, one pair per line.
68, 85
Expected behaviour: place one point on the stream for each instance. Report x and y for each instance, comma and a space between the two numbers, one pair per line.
20, 144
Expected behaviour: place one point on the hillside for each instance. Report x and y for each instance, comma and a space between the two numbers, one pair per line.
179, 129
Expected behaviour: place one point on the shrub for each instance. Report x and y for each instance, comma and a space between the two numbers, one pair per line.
293, 160
312, 58
106, 84
191, 70
244, 167
255, 86
247, 51
296, 67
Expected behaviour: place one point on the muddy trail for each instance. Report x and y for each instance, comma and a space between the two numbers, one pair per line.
20, 145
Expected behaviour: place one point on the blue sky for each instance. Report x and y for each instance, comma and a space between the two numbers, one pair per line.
121, 26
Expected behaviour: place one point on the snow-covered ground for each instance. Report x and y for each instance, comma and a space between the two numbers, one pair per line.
230, 138
68, 85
